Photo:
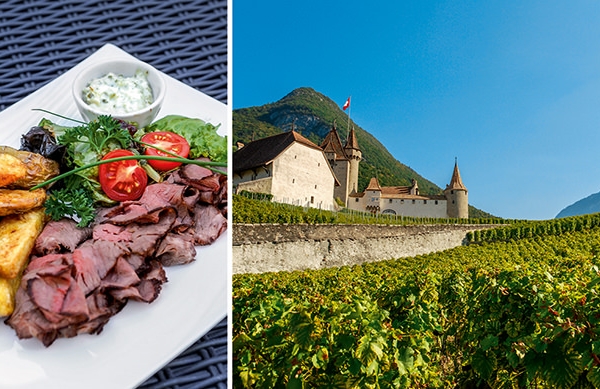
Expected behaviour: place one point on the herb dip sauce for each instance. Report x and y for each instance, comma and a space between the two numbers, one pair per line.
117, 94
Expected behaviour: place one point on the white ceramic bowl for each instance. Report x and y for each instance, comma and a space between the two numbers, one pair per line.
126, 68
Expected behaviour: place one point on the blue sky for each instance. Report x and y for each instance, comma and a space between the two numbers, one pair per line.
511, 88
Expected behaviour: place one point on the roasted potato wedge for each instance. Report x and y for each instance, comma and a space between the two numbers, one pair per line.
17, 237
8, 290
38, 168
16, 201
12, 169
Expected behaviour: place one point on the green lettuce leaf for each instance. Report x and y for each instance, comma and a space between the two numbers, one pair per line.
203, 137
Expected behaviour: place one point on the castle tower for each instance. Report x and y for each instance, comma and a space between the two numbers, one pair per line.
354, 156
344, 162
457, 196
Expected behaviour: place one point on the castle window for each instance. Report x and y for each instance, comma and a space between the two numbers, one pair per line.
315, 187
436, 202
402, 201
356, 200
293, 180
413, 201
390, 201
312, 199
424, 201
318, 164
451, 192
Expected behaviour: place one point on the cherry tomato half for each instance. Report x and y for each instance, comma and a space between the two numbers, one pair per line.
169, 141
122, 180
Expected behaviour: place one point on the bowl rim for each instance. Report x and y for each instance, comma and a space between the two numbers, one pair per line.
79, 82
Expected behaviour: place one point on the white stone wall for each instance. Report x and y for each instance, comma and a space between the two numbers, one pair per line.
416, 208
258, 186
301, 176
267, 248
404, 207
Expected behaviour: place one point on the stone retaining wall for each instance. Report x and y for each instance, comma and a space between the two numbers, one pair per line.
268, 247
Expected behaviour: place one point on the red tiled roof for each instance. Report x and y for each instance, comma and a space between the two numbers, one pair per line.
333, 144
456, 181
396, 192
352, 142
373, 184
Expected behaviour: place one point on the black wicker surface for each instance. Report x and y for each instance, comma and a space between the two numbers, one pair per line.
40, 40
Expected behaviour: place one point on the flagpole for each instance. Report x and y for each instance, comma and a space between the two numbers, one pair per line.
349, 108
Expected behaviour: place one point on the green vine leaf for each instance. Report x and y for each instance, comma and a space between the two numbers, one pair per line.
484, 363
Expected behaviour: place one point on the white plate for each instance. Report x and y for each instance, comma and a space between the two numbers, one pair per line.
142, 338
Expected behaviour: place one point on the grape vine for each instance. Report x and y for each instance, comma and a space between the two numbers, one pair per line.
514, 309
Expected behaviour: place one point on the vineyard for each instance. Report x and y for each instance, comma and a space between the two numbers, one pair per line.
516, 308
256, 210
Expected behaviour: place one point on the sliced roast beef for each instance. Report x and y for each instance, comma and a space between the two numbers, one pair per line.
59, 236
102, 254
210, 224
147, 209
121, 276
145, 237
208, 183
176, 249
149, 287
101, 307
79, 278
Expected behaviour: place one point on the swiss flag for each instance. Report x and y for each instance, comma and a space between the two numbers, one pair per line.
346, 104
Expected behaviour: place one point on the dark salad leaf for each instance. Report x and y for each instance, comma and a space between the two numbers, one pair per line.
41, 141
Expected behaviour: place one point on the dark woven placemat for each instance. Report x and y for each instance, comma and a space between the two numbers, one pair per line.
40, 40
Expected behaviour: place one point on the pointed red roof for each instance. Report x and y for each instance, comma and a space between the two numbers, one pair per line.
456, 182
333, 144
351, 142
373, 185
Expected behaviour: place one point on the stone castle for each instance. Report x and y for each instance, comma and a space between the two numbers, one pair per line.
295, 170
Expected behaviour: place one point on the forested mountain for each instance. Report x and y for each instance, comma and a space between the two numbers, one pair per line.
312, 114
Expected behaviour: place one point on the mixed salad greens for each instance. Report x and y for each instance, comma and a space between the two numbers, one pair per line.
107, 160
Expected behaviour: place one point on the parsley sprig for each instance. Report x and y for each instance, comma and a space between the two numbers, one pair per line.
99, 135
74, 203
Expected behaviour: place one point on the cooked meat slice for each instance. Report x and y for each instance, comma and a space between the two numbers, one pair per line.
145, 237
59, 236
102, 307
59, 298
122, 275
149, 287
176, 249
145, 210
208, 184
210, 224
